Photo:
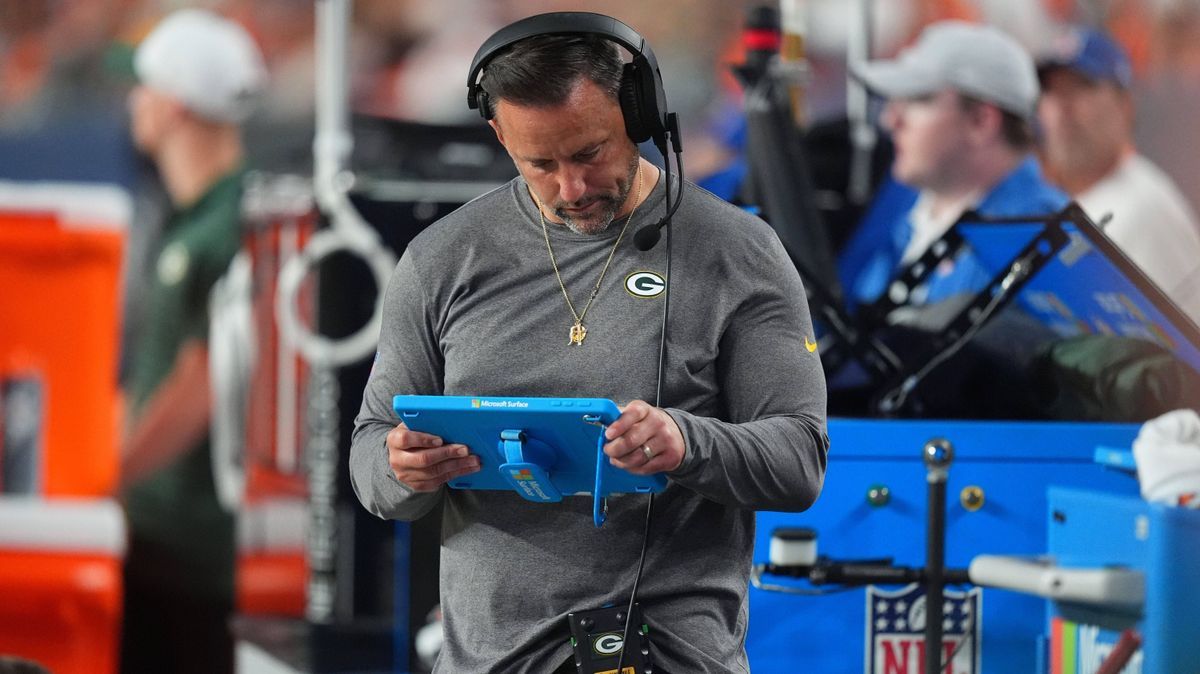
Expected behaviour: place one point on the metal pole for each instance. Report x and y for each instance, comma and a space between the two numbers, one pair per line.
862, 132
938, 455
332, 146
332, 143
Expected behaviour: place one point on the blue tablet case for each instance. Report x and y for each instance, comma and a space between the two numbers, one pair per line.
541, 448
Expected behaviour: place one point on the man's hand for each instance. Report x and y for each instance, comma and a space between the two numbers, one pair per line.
644, 440
422, 462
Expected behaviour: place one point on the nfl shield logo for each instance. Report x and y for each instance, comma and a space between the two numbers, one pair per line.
895, 634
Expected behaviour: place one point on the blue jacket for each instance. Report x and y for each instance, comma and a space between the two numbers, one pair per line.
870, 259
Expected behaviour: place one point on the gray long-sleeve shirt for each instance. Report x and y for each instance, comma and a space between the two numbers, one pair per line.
473, 308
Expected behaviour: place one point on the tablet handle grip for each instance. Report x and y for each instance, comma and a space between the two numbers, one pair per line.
599, 492
522, 469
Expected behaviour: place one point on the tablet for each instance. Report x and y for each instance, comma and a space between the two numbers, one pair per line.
541, 448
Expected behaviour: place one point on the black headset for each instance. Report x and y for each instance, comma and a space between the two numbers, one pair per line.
642, 99
643, 102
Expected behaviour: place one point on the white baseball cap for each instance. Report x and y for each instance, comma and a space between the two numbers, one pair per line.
979, 61
208, 63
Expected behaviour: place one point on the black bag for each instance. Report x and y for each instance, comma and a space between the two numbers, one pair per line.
1106, 378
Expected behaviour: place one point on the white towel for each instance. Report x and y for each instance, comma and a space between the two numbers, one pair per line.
1167, 451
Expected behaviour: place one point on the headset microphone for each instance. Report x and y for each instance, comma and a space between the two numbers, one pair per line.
648, 236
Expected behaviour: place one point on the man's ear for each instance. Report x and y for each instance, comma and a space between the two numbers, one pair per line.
176, 110
496, 127
987, 121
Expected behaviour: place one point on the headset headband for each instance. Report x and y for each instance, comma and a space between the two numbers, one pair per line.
564, 23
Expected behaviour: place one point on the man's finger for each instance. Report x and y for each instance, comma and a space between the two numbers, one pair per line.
418, 440
631, 414
424, 458
626, 445
452, 469
443, 473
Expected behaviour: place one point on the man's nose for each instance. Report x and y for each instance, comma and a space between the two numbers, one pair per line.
571, 184
133, 97
892, 113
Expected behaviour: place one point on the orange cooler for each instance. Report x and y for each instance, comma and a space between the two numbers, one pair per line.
62, 537
59, 326
60, 577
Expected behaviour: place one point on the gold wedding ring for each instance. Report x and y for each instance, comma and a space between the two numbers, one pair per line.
647, 452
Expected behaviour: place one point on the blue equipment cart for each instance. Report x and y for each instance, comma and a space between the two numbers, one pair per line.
873, 506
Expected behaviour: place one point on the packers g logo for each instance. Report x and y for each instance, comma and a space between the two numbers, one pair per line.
172, 264
645, 284
609, 643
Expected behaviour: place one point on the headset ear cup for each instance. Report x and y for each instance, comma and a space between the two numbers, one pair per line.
484, 103
631, 105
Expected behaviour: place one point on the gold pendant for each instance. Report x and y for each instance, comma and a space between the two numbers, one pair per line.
578, 332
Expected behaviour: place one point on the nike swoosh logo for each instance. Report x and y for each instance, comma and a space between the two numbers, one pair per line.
811, 346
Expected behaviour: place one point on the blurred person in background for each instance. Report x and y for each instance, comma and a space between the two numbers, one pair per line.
199, 75
1168, 96
1087, 118
284, 31
24, 60
959, 111
58, 61
408, 51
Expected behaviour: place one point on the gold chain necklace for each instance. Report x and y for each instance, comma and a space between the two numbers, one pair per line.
579, 330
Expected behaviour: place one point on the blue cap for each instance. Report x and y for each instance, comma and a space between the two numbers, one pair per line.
1091, 53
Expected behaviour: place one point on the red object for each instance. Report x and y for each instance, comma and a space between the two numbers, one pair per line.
60, 598
61, 584
761, 39
271, 583
61, 610
1056, 637
1128, 644
272, 578
59, 311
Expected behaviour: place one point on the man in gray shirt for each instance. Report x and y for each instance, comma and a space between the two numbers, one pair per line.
536, 289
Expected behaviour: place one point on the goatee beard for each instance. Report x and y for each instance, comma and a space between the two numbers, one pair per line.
608, 214
606, 217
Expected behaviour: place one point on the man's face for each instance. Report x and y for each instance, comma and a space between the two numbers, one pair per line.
929, 134
1086, 124
575, 156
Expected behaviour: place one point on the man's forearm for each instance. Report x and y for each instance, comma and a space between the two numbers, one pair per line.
776, 463
174, 419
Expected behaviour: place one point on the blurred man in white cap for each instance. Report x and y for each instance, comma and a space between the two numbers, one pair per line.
1086, 113
198, 76
960, 106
